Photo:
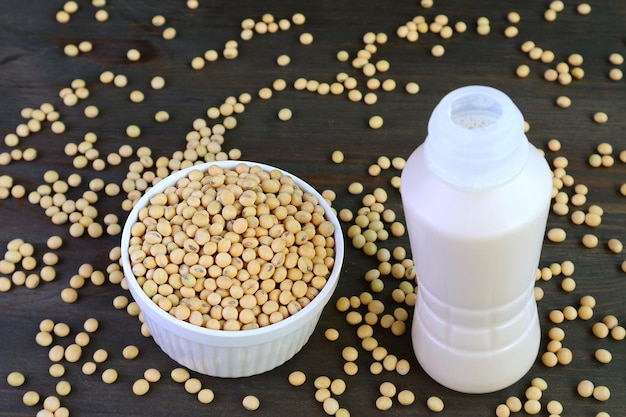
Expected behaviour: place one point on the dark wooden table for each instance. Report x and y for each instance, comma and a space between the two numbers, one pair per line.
33, 69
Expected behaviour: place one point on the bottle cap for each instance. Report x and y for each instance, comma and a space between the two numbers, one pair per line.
476, 138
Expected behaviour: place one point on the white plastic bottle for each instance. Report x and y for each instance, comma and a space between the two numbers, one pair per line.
476, 196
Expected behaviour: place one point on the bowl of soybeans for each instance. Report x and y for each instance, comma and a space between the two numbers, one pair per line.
231, 264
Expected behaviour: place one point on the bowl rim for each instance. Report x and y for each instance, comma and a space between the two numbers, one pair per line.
198, 331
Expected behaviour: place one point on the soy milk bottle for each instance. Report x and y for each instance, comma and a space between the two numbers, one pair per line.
476, 196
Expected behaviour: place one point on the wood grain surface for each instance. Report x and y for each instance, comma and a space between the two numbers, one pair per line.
33, 70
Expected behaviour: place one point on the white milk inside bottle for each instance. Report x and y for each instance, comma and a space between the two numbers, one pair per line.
476, 196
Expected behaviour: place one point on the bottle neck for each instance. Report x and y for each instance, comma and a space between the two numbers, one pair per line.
476, 139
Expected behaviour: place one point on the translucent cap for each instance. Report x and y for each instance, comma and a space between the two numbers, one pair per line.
476, 138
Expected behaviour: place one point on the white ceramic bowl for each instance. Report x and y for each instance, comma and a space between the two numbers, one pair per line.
230, 353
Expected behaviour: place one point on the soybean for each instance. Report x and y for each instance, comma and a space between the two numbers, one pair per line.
63, 388
109, 376
601, 393
383, 403
603, 356
387, 389
193, 385
30, 398
532, 407
585, 388
376, 122
180, 375
206, 396
556, 234
331, 334
285, 114
297, 378
437, 51
16, 379
435, 404
89, 368
141, 387
406, 397
250, 402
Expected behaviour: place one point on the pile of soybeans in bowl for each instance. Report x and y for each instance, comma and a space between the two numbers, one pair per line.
231, 264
